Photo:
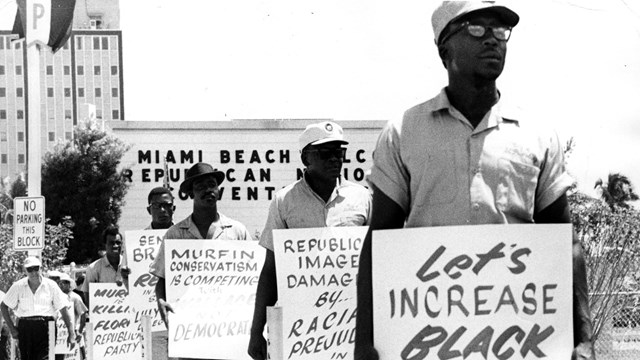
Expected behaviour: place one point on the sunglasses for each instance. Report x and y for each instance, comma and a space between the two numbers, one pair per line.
33, 268
166, 206
502, 33
326, 154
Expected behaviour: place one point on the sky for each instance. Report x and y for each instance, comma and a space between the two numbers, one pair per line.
575, 64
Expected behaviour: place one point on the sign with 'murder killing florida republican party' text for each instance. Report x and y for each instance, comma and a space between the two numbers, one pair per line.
211, 285
473, 292
316, 271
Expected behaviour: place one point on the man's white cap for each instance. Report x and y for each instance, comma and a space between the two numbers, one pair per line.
449, 11
31, 261
66, 277
320, 133
54, 273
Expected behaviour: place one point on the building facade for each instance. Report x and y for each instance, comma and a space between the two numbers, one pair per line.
87, 70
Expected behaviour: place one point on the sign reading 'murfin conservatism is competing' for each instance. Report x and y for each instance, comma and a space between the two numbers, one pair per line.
473, 292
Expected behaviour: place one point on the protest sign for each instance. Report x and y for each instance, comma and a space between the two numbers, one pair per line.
316, 271
115, 334
473, 292
211, 285
62, 334
142, 247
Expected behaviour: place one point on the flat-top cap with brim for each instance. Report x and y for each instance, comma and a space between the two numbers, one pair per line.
450, 11
31, 261
197, 171
321, 133
54, 274
66, 277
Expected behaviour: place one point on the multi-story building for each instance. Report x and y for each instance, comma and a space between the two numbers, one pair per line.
87, 70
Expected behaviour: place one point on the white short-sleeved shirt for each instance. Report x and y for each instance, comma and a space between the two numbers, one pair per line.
442, 171
223, 229
297, 206
46, 301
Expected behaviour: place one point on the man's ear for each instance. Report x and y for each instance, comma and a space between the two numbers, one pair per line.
149, 209
303, 157
443, 51
190, 193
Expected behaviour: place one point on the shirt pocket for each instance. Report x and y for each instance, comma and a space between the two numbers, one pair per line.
516, 191
352, 218
438, 181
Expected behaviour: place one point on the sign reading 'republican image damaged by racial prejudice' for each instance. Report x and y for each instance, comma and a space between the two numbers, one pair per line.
473, 292
316, 270
211, 285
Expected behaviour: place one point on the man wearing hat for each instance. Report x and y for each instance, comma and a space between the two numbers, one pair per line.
76, 307
468, 157
320, 199
35, 301
205, 222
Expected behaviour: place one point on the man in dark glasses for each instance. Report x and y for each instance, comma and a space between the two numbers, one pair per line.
468, 157
35, 300
161, 208
320, 199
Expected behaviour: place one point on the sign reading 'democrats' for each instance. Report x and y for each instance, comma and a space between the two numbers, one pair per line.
211, 285
115, 334
316, 271
473, 292
142, 247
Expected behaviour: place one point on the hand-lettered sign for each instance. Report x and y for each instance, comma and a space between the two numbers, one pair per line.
211, 285
473, 292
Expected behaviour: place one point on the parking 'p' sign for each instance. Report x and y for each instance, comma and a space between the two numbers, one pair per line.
28, 223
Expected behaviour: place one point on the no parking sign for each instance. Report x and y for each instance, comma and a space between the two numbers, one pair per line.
28, 223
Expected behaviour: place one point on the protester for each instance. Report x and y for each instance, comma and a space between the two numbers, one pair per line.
35, 301
107, 269
205, 222
4, 335
320, 199
468, 157
77, 308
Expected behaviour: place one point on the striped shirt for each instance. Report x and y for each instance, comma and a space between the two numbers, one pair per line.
46, 301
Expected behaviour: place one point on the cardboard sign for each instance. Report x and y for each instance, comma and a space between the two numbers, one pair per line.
473, 292
115, 333
62, 333
316, 271
28, 223
142, 246
211, 285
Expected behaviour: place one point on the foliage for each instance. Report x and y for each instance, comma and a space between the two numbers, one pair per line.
617, 191
611, 239
80, 179
56, 243
8, 191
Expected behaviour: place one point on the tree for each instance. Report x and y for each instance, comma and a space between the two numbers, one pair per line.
8, 191
81, 180
617, 192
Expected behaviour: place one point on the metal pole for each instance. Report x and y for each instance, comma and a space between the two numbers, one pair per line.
34, 157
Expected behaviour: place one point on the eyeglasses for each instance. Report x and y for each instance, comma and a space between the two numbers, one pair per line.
33, 268
326, 154
166, 206
502, 33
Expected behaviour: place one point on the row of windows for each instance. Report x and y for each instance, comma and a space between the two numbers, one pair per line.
97, 70
19, 114
67, 92
3, 158
99, 43
19, 92
115, 114
52, 136
17, 45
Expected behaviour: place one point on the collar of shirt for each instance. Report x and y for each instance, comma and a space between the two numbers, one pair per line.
105, 262
334, 194
500, 112
217, 227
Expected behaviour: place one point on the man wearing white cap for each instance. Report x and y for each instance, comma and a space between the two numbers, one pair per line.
76, 307
468, 157
35, 301
320, 199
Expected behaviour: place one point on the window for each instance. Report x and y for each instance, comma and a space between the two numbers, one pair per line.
52, 136
50, 92
80, 92
20, 114
1, 66
49, 70
20, 136
67, 69
18, 69
67, 92
99, 114
67, 135
80, 70
3, 92
115, 114
67, 114
19, 92
98, 92
96, 70
4, 158
114, 70
3, 136
8, 42
79, 43
105, 43
3, 114
18, 45
2, 43
114, 92
96, 43
21, 159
